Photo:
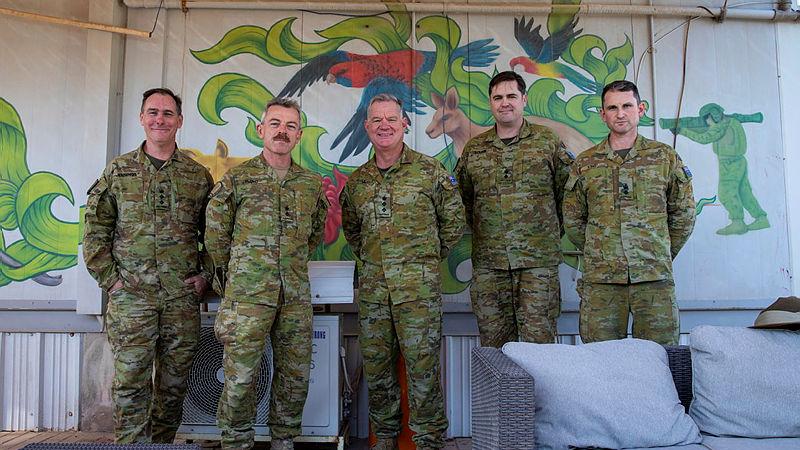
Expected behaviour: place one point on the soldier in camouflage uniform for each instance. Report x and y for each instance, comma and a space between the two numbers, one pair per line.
511, 180
143, 226
264, 220
401, 215
629, 207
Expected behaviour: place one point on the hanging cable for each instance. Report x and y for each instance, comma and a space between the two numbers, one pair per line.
683, 81
155, 22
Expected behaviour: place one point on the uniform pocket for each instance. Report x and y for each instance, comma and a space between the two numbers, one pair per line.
651, 190
599, 183
130, 199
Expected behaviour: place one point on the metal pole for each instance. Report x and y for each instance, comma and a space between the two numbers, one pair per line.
482, 8
74, 23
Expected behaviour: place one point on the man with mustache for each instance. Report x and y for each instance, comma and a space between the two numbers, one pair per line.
629, 207
401, 215
512, 179
144, 221
264, 220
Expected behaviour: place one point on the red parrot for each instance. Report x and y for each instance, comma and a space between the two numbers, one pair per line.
392, 73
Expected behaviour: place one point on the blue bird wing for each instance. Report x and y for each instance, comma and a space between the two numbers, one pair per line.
480, 53
542, 50
559, 41
314, 70
530, 40
357, 139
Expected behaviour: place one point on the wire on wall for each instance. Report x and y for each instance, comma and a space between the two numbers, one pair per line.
683, 80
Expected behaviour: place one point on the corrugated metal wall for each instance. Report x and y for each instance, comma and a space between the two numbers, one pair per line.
40, 385
456, 369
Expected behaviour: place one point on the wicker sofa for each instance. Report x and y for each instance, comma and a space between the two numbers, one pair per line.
503, 404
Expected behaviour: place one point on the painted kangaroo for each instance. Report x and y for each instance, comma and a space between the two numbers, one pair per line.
450, 120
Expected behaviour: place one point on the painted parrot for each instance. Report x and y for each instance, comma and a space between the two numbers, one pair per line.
392, 73
543, 53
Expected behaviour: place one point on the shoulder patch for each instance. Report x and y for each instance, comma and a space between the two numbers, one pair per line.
687, 172
448, 181
570, 154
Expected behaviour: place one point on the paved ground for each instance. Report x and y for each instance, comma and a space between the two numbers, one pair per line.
14, 440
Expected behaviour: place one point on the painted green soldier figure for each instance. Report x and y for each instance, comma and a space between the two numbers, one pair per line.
629, 207
512, 180
264, 220
728, 141
144, 222
401, 215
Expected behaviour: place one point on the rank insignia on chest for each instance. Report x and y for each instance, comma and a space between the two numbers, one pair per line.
162, 196
383, 205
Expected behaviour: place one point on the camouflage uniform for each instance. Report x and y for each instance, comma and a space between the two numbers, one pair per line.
143, 227
630, 217
512, 196
401, 225
260, 234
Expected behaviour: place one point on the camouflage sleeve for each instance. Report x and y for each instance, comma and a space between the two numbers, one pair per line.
205, 259
351, 223
563, 162
318, 222
574, 209
449, 211
220, 215
680, 207
704, 135
100, 218
466, 188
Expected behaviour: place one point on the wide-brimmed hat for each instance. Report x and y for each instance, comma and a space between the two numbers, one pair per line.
784, 313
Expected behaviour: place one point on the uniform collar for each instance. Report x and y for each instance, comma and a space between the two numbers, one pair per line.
294, 169
605, 148
142, 158
407, 156
524, 132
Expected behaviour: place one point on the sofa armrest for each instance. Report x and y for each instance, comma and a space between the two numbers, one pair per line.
502, 402
680, 363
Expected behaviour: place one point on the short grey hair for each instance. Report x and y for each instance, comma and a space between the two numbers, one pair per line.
281, 101
385, 97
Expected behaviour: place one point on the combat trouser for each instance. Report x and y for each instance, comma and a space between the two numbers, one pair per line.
143, 331
243, 328
605, 307
516, 305
414, 329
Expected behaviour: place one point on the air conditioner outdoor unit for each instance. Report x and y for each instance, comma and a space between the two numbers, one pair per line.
322, 412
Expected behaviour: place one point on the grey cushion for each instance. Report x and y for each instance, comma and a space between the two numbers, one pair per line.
746, 382
614, 394
673, 447
730, 443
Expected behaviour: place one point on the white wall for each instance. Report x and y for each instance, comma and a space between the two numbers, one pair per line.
63, 84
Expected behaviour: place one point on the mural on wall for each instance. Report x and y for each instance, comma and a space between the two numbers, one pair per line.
441, 69
47, 243
448, 85
728, 141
